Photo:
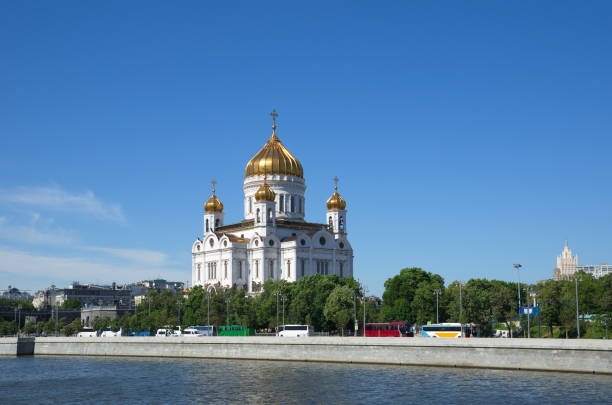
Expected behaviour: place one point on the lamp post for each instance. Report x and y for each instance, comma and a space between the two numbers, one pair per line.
277, 293
364, 299
354, 297
437, 292
533, 295
178, 303
208, 313
283, 299
227, 303
577, 316
518, 287
56, 319
528, 319
461, 307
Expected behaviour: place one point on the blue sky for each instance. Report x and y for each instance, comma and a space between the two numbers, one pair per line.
468, 136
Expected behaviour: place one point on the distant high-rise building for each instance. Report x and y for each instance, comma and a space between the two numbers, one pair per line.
567, 266
596, 270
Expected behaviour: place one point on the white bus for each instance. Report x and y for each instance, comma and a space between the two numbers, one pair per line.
442, 330
295, 331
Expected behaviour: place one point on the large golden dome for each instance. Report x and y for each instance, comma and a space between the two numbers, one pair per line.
274, 158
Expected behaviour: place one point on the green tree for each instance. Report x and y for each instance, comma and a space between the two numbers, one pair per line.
400, 292
549, 297
71, 303
100, 323
339, 307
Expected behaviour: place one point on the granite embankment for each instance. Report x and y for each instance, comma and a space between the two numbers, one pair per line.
588, 356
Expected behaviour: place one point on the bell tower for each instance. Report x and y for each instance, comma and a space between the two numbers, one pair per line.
213, 212
336, 212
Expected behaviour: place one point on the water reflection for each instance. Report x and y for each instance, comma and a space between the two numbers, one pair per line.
135, 380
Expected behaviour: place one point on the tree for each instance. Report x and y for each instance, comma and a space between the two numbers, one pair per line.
100, 323
549, 296
339, 307
400, 292
424, 302
71, 303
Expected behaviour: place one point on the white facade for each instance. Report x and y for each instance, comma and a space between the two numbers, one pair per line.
273, 242
596, 270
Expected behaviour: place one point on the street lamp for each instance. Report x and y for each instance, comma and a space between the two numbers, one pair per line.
364, 299
178, 303
354, 297
461, 307
283, 299
518, 267
437, 292
277, 293
533, 295
577, 316
227, 303
208, 313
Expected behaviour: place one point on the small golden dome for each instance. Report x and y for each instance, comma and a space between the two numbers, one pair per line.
213, 204
265, 193
336, 202
274, 158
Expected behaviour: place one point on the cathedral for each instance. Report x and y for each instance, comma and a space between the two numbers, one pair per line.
273, 241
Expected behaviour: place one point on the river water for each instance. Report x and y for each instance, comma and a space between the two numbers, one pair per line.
93, 380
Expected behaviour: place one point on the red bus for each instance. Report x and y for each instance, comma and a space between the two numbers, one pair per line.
389, 329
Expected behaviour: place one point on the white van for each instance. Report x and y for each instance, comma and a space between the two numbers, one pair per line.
108, 332
295, 331
87, 333
202, 330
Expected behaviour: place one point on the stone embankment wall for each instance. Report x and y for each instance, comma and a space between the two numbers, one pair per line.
589, 356
13, 346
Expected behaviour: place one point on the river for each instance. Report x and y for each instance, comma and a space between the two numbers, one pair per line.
93, 380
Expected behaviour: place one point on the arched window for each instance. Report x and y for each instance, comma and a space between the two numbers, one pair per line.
288, 268
270, 214
341, 268
330, 223
256, 268
281, 203
250, 205
292, 204
240, 269
198, 272
216, 222
271, 268
341, 224
257, 215
225, 269
207, 228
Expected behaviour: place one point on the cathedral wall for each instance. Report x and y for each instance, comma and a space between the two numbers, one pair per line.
285, 188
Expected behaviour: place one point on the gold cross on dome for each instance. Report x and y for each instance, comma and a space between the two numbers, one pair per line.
274, 114
213, 183
336, 180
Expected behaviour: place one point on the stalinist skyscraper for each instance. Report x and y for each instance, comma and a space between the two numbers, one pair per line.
566, 264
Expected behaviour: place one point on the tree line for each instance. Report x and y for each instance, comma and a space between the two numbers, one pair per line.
332, 303
494, 304
329, 303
